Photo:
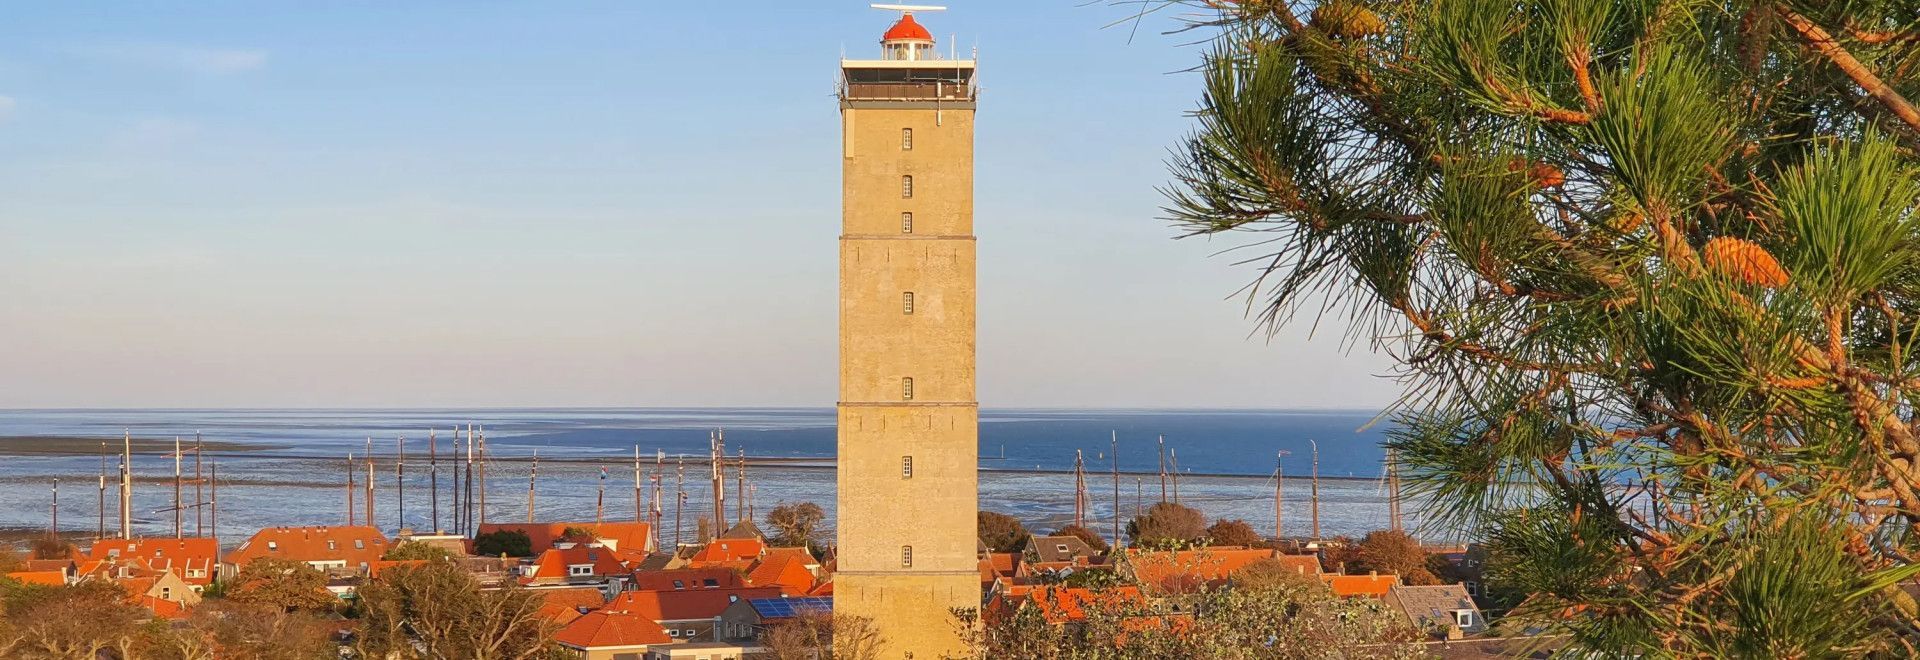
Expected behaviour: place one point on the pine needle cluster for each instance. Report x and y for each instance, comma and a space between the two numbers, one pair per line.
1651, 273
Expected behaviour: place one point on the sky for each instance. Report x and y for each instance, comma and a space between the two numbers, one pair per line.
590, 203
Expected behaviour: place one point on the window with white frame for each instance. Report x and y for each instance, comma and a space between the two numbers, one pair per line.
906, 187
906, 389
1464, 618
906, 139
906, 303
580, 569
906, 467
906, 556
906, 222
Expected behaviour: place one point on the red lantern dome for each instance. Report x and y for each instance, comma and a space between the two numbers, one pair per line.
907, 30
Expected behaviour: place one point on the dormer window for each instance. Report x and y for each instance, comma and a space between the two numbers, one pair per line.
273, 545
1464, 618
580, 569
1061, 547
359, 544
330, 545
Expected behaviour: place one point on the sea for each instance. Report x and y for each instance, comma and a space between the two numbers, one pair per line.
1227, 465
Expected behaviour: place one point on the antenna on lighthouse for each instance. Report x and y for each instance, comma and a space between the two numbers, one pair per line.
907, 9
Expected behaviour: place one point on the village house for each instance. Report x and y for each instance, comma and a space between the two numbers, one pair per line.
688, 615
610, 634
747, 619
1371, 585
704, 651
337, 550
1056, 549
562, 605
39, 578
576, 565
194, 559
793, 571
625, 538
728, 553
1186, 571
686, 578
998, 566
1445, 609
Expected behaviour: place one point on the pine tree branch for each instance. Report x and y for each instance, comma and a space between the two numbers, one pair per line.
1820, 40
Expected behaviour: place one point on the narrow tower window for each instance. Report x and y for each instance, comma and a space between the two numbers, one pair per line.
906, 467
906, 556
906, 222
906, 187
906, 302
906, 139
906, 389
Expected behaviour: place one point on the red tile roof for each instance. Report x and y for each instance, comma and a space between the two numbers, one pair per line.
191, 558
687, 578
1376, 586
565, 605
1064, 604
381, 566
1184, 570
44, 578
785, 571
685, 605
163, 608
623, 536
353, 545
721, 551
611, 629
554, 563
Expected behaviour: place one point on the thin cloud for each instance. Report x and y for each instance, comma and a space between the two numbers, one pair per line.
190, 59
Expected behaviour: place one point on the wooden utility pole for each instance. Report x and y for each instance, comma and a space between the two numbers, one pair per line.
53, 531
126, 485
1079, 488
1173, 457
1316, 489
1279, 495
680, 498
600, 502
178, 522
1114, 449
658, 510
1393, 491
102, 534
639, 497
351, 466
368, 494
532, 474
482, 458
400, 483
717, 444
213, 515
1163, 468
433, 476
199, 497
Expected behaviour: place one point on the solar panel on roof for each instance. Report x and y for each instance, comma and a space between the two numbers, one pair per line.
780, 608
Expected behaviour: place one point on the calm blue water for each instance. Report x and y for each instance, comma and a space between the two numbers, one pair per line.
1227, 455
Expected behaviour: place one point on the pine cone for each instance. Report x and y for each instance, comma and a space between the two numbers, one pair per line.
1347, 19
1744, 261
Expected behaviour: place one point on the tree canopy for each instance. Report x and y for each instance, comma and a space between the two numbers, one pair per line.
509, 542
1166, 524
1651, 273
1001, 532
795, 524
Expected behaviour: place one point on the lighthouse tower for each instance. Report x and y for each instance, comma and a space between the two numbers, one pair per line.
908, 420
